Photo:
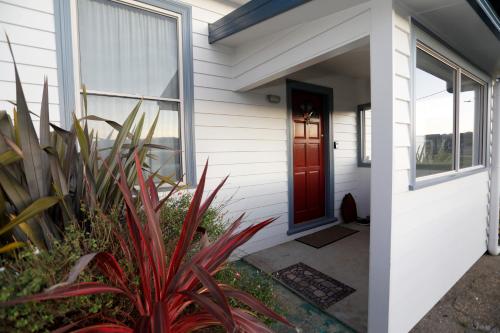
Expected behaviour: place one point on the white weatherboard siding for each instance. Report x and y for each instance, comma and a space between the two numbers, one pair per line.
438, 232
305, 44
31, 30
244, 135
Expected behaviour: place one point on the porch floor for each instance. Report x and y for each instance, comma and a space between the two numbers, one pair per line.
345, 260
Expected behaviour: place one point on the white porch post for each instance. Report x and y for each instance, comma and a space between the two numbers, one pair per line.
382, 166
493, 247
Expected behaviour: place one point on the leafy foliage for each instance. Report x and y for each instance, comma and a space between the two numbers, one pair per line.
26, 174
31, 272
175, 210
259, 284
46, 176
27, 273
180, 296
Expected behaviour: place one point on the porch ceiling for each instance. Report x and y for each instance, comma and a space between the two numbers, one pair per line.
354, 63
462, 28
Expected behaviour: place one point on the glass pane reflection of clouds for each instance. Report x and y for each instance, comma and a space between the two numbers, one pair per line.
434, 89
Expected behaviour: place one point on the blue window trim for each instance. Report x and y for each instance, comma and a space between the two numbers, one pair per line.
64, 61
249, 14
329, 151
67, 81
361, 163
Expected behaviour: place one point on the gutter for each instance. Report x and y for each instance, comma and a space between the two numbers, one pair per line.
493, 221
487, 13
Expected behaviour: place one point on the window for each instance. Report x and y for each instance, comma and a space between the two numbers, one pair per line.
470, 122
127, 52
449, 121
364, 135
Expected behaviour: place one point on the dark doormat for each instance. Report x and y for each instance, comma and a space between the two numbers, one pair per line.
316, 287
326, 236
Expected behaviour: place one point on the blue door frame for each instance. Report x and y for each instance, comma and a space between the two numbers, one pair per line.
329, 217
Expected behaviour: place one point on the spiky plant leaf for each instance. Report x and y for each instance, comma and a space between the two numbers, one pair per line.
166, 290
36, 208
11, 246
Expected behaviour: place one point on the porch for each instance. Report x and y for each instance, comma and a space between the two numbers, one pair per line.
346, 260
306, 44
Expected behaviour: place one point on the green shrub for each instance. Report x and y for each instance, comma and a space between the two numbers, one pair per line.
27, 273
255, 282
238, 275
30, 272
174, 211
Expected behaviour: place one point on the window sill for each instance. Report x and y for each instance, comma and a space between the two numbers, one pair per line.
418, 184
364, 165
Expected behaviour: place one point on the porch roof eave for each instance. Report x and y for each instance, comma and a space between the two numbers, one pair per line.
248, 15
489, 13
471, 28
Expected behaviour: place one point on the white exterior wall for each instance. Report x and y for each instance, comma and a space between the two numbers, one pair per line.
431, 236
438, 232
31, 30
382, 164
300, 46
244, 135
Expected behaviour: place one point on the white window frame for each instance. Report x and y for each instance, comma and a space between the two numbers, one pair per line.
426, 43
76, 70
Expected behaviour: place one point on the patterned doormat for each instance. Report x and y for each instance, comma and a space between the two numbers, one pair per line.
314, 286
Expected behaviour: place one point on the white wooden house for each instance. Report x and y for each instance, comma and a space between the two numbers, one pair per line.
301, 102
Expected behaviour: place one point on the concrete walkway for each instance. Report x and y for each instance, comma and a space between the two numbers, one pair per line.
471, 306
345, 260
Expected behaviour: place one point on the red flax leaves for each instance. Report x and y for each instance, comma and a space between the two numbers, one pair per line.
168, 287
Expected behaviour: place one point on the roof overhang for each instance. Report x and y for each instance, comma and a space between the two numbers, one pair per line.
250, 14
470, 27
464, 27
260, 18
489, 12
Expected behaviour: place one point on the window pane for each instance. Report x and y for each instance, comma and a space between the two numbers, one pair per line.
366, 122
127, 50
434, 87
470, 122
167, 131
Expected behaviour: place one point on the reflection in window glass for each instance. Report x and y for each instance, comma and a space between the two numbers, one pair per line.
166, 134
470, 122
434, 87
366, 135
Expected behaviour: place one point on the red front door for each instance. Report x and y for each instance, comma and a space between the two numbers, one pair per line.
308, 164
